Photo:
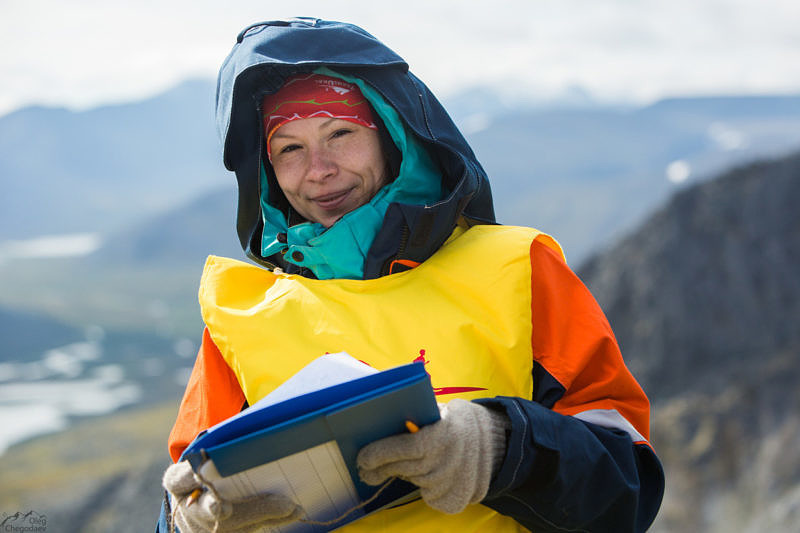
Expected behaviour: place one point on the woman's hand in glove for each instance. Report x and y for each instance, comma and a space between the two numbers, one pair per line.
210, 512
452, 461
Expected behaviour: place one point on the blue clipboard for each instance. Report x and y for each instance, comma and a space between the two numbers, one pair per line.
353, 414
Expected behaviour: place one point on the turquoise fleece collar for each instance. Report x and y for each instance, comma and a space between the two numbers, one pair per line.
340, 251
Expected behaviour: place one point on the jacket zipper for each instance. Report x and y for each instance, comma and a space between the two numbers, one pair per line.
401, 248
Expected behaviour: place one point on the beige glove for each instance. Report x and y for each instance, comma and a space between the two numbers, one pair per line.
210, 513
451, 461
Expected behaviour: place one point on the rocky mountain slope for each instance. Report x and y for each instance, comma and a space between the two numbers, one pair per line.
102, 475
711, 278
705, 301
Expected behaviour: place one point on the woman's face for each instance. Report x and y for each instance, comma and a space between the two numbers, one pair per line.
327, 167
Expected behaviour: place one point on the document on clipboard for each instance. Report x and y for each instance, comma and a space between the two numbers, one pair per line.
302, 440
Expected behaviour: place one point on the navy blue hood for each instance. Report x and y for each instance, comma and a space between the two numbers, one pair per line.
266, 53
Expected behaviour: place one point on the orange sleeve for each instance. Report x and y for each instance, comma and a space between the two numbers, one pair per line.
212, 395
573, 341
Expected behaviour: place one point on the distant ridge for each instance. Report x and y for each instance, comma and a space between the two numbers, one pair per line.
587, 175
760, 104
98, 170
26, 335
185, 235
711, 280
582, 171
704, 298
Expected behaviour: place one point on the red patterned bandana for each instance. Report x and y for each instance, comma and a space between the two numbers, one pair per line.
314, 95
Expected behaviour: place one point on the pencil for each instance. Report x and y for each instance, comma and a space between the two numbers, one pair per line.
411, 426
194, 496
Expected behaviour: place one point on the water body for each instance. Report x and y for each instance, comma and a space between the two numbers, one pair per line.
42, 396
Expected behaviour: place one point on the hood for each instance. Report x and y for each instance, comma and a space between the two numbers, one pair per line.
266, 53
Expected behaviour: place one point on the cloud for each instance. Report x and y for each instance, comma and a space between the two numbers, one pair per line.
84, 52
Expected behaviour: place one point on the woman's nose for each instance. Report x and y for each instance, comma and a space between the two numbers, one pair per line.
321, 164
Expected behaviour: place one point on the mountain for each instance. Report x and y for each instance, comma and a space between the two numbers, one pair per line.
185, 235
582, 171
104, 474
704, 298
26, 335
101, 169
588, 175
585, 175
711, 276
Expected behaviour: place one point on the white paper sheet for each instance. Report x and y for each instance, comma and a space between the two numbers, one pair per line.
317, 479
324, 371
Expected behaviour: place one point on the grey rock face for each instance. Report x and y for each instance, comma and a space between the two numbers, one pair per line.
705, 301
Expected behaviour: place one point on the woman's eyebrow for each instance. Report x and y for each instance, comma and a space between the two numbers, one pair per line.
279, 134
328, 122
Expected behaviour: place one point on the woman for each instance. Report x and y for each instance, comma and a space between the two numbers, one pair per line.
370, 212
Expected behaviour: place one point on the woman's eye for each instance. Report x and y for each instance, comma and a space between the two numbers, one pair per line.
289, 148
339, 133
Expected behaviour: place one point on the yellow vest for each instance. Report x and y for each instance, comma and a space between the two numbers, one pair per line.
465, 312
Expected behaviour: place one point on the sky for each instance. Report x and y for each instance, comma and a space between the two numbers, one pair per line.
85, 53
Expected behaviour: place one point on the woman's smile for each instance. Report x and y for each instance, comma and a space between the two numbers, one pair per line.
333, 200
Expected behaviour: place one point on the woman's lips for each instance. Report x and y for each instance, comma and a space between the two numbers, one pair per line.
331, 201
